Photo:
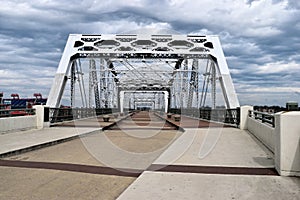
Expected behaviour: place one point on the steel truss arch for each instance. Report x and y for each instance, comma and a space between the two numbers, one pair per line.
143, 62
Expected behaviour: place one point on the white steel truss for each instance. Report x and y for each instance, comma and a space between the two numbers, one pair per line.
188, 67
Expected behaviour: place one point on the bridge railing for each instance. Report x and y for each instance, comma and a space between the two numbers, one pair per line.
17, 112
67, 114
228, 116
263, 117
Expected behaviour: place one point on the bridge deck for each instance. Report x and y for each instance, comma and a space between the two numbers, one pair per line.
143, 121
147, 163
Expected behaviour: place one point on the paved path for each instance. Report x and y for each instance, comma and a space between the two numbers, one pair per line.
14, 142
230, 147
11, 143
76, 170
213, 163
206, 163
170, 185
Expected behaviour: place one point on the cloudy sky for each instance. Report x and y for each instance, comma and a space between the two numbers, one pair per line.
260, 38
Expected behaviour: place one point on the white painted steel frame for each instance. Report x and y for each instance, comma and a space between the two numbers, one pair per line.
143, 46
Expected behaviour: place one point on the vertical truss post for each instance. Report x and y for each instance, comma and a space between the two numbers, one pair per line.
167, 97
118, 98
121, 95
173, 96
108, 90
205, 85
132, 100
103, 85
213, 85
181, 97
161, 101
93, 84
111, 91
184, 84
128, 97
115, 95
177, 92
80, 81
73, 79
185, 79
193, 83
197, 81
156, 100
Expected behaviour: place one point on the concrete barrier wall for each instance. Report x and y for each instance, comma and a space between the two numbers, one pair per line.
263, 132
283, 140
287, 143
244, 112
17, 123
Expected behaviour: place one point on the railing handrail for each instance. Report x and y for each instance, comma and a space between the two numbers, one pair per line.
16, 109
263, 116
9, 112
223, 115
259, 112
67, 114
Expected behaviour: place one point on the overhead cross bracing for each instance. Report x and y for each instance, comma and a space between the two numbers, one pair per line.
191, 71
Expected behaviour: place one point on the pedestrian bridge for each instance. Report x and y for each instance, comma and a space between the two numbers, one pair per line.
158, 109
182, 80
143, 71
183, 75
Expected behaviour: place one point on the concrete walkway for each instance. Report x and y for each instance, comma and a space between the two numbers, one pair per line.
170, 185
11, 143
22, 141
206, 163
229, 147
213, 164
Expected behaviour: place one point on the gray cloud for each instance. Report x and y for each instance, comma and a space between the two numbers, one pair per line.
260, 38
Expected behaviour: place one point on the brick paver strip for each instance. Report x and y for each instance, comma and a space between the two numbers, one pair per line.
135, 173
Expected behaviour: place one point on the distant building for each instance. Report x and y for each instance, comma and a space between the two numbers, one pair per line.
292, 106
15, 102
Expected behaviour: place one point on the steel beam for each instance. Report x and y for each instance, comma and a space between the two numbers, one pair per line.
147, 49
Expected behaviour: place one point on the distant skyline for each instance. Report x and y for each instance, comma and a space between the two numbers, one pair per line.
260, 39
